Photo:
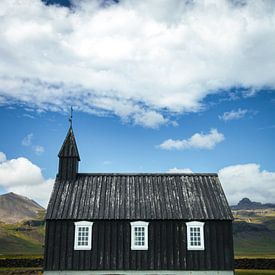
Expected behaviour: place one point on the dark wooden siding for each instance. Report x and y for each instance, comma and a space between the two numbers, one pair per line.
68, 168
111, 247
68, 158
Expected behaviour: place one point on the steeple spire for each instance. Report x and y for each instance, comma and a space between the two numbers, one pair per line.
71, 117
68, 155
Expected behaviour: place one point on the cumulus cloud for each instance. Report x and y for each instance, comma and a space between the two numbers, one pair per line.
179, 170
2, 157
197, 141
150, 119
143, 61
25, 178
248, 180
233, 115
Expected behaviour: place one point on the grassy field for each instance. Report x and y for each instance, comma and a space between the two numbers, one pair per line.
14, 240
39, 271
249, 244
254, 272
254, 233
22, 256
25, 271
255, 256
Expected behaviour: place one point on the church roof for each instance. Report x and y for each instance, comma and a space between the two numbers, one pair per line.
69, 147
139, 197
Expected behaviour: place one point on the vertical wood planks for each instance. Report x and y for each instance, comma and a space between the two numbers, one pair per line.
139, 196
111, 247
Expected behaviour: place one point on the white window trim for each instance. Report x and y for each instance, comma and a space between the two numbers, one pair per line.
139, 224
83, 224
201, 226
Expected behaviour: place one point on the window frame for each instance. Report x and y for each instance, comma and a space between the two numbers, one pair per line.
199, 225
145, 226
78, 225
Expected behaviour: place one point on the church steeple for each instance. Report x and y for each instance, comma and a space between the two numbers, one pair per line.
68, 156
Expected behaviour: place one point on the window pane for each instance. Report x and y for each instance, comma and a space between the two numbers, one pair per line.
195, 236
139, 236
83, 236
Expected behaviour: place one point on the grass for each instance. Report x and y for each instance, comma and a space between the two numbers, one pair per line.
237, 271
254, 272
26, 271
41, 215
20, 268
22, 256
255, 242
14, 241
251, 244
256, 256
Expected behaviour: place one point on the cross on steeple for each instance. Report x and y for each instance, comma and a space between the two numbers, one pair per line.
71, 117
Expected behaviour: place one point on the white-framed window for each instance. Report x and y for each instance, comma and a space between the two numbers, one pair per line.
83, 235
195, 235
139, 235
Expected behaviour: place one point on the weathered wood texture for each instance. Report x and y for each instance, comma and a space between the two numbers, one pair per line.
69, 147
68, 168
139, 196
68, 158
111, 247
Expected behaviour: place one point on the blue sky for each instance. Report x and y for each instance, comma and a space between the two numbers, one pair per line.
166, 93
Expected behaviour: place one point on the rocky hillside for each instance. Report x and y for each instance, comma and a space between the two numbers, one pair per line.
247, 204
15, 208
21, 225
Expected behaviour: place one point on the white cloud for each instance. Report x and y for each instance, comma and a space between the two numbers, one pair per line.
198, 140
233, 115
38, 149
25, 178
2, 157
140, 60
27, 140
179, 170
150, 119
248, 180
28, 116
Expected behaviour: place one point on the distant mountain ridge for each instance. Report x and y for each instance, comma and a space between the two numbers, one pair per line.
16, 208
247, 204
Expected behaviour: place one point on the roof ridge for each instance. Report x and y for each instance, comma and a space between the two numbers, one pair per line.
148, 174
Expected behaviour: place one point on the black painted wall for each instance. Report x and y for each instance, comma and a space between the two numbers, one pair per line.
111, 247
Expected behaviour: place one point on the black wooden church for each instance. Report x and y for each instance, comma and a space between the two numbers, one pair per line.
102, 223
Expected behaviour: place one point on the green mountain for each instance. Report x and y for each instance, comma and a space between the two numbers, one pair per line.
19, 239
21, 225
254, 232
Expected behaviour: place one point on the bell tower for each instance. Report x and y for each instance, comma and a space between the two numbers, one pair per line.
68, 156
